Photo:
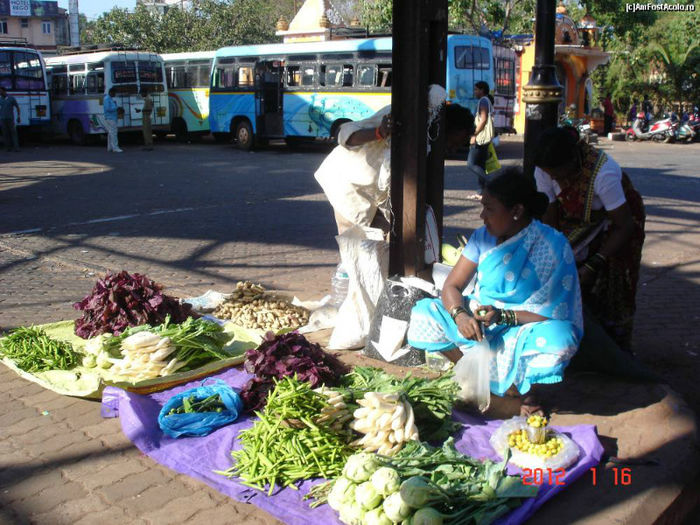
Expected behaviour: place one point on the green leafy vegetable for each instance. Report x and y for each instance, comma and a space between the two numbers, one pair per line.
34, 351
432, 399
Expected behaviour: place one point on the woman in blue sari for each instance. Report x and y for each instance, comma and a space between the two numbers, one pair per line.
526, 301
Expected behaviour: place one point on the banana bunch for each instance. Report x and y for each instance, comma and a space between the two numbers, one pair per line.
336, 413
146, 356
386, 421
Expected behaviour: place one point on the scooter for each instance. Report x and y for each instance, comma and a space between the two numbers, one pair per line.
660, 131
684, 132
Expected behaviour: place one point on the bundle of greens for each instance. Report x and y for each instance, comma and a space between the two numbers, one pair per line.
191, 404
121, 300
422, 484
286, 355
432, 399
291, 441
34, 351
193, 343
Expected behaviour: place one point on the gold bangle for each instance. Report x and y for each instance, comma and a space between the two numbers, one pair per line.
456, 310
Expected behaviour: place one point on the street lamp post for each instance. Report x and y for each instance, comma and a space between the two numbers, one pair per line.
542, 94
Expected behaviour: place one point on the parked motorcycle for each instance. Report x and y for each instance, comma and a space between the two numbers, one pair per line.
663, 130
684, 132
583, 126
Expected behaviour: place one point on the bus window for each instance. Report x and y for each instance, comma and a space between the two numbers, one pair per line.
28, 71
471, 57
293, 75
178, 77
77, 84
59, 84
5, 70
347, 75
151, 73
334, 75
505, 76
203, 76
95, 82
246, 78
224, 75
307, 76
366, 75
384, 76
124, 72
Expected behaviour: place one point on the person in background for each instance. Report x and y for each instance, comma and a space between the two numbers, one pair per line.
355, 176
111, 108
592, 201
147, 110
608, 114
632, 114
529, 302
647, 108
483, 134
8, 103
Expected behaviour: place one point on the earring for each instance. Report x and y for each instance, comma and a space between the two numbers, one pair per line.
515, 217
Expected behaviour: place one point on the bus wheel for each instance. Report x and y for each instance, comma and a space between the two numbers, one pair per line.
244, 135
180, 130
76, 133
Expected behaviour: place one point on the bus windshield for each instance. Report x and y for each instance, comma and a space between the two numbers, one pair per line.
151, 73
5, 69
21, 70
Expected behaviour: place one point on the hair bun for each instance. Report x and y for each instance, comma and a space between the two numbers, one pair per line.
538, 204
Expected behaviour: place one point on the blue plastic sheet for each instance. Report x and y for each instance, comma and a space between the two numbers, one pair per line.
200, 423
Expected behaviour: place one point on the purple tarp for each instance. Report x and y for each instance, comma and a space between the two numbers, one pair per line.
199, 457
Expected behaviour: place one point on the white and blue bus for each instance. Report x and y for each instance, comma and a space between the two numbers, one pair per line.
188, 78
23, 75
307, 90
79, 82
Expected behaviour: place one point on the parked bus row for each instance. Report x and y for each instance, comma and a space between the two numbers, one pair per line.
244, 94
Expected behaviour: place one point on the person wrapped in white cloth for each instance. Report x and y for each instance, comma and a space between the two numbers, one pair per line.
356, 175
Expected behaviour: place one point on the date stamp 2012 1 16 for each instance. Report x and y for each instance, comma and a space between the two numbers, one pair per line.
548, 476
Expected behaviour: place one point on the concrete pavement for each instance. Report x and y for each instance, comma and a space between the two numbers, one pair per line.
194, 217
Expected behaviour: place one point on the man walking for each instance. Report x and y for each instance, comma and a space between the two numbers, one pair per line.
7, 115
146, 121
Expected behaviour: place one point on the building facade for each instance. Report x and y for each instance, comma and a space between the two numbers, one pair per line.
40, 24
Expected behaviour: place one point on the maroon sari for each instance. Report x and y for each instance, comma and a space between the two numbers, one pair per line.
612, 297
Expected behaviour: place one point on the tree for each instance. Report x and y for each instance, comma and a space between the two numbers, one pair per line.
213, 24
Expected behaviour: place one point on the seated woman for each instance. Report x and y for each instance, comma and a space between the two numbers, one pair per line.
526, 294
595, 205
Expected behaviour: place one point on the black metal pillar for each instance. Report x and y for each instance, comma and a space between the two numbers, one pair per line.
419, 59
542, 94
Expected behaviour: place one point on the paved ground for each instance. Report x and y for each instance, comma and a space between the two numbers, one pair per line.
195, 217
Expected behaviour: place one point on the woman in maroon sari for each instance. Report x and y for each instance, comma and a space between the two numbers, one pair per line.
595, 205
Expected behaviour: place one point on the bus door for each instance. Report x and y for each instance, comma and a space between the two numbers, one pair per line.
268, 95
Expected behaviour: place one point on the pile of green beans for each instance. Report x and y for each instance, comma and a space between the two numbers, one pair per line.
286, 444
34, 351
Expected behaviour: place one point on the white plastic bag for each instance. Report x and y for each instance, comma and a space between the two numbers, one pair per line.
472, 375
567, 456
365, 256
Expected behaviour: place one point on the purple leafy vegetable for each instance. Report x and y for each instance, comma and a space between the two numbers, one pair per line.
285, 355
122, 300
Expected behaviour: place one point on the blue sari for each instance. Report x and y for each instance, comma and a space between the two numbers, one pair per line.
532, 271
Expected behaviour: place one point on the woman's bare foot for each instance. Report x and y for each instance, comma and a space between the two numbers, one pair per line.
530, 405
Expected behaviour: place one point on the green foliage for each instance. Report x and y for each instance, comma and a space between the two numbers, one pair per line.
214, 24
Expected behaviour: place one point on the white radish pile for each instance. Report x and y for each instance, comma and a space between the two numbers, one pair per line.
146, 356
336, 413
386, 421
